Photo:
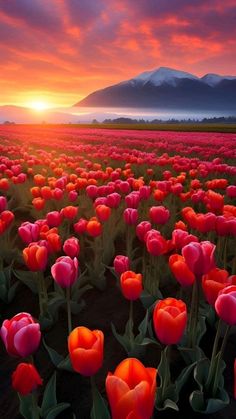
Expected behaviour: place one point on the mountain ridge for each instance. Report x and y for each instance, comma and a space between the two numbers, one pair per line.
167, 88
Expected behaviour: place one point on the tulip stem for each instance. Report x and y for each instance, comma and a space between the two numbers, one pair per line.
129, 241
131, 321
68, 310
213, 356
221, 352
193, 317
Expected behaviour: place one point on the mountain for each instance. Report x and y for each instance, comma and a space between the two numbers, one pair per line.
166, 88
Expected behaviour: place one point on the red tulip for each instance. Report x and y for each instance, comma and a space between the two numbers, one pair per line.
94, 227
169, 319
141, 230
86, 350
69, 212
103, 212
21, 335
131, 285
25, 379
54, 218
215, 281
71, 247
65, 271
131, 390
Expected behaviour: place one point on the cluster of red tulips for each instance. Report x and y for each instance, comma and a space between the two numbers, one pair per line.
155, 212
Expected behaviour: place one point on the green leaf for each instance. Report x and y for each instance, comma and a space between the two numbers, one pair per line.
55, 357
123, 340
200, 404
170, 404
28, 278
183, 377
99, 409
49, 397
27, 408
12, 291
65, 364
142, 329
54, 412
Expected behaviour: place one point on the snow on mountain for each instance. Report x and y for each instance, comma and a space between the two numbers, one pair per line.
213, 79
163, 75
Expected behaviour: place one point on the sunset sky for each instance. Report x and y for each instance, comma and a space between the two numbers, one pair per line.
58, 51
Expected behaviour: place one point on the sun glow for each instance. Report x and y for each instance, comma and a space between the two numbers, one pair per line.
38, 105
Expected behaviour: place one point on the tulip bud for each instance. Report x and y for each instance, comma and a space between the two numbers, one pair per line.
65, 271
121, 264
86, 350
131, 285
71, 247
25, 379
169, 319
21, 335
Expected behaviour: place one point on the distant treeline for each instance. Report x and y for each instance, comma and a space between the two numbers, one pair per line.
215, 120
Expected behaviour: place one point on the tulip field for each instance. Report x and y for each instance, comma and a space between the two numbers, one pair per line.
117, 273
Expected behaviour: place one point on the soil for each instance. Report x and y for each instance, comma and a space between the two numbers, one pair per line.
101, 309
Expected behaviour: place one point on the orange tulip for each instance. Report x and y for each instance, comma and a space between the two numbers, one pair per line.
215, 281
131, 390
86, 350
180, 270
35, 257
169, 319
131, 285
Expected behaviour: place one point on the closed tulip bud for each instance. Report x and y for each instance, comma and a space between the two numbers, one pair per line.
215, 281
25, 379
155, 243
132, 200
113, 200
54, 218
65, 271
225, 305
180, 226
121, 264
86, 350
159, 215
72, 195
3, 203
103, 212
57, 194
131, 285
21, 335
124, 186
29, 232
199, 257
181, 271
7, 217
142, 229
130, 216
69, 212
71, 247
94, 227
35, 257
54, 242
169, 320
92, 191
81, 226
231, 191
38, 203
131, 390
181, 238
145, 192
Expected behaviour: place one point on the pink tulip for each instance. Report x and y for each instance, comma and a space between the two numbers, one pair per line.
21, 335
142, 229
159, 215
71, 247
29, 232
3, 203
65, 271
80, 226
199, 257
225, 305
121, 264
54, 218
155, 243
130, 216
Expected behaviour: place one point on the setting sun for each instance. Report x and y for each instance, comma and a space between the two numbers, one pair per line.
38, 105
